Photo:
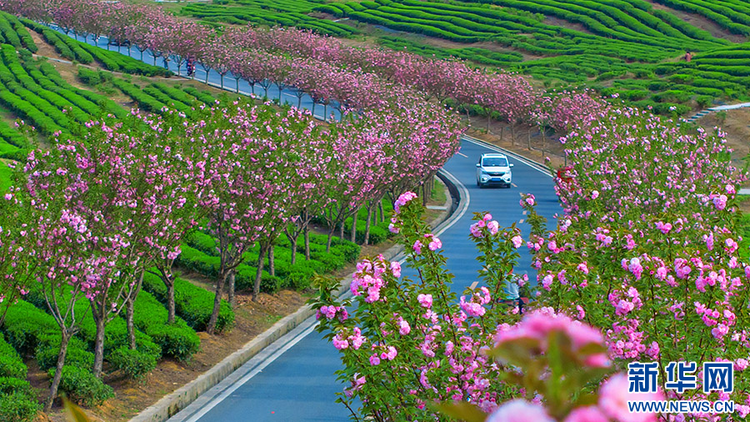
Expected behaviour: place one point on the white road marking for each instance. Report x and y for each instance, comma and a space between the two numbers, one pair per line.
252, 373
195, 417
520, 221
524, 212
463, 155
514, 185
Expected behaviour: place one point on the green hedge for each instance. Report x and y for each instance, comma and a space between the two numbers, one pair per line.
11, 364
192, 303
177, 340
25, 325
142, 99
82, 387
18, 400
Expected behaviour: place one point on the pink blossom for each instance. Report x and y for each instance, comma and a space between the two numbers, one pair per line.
396, 269
586, 414
583, 267
404, 327
614, 397
417, 247
519, 410
720, 202
403, 200
594, 194
493, 227
374, 360
425, 300
517, 241
435, 244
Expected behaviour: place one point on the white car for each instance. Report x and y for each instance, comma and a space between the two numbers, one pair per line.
494, 169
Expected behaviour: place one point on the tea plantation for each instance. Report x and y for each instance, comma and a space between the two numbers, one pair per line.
635, 48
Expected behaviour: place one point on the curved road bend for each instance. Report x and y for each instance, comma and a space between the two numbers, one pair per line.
293, 379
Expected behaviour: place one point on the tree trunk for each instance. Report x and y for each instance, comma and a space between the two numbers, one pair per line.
238, 84
307, 241
129, 311
353, 234
258, 275
221, 77
208, 72
529, 139
341, 230
211, 327
98, 343
271, 266
368, 222
170, 302
382, 211
330, 237
65, 338
230, 287
293, 247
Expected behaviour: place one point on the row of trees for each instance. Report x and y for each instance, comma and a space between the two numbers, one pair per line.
327, 69
648, 251
86, 219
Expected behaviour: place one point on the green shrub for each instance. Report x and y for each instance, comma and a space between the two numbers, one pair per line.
76, 355
82, 387
11, 364
9, 385
192, 303
704, 101
18, 400
133, 363
16, 407
25, 324
88, 76
176, 340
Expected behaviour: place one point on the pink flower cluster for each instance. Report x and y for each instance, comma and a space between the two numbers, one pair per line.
611, 405
369, 277
538, 325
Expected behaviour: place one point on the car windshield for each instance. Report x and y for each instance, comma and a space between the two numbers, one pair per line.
495, 162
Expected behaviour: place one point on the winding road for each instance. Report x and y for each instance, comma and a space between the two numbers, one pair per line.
293, 379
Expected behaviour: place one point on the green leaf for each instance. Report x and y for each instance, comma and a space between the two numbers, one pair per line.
463, 411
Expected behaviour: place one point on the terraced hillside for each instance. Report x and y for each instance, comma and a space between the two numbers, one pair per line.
32, 89
635, 48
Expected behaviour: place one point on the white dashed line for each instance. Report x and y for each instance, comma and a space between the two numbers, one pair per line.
463, 155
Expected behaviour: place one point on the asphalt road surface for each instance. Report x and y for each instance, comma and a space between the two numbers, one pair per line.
293, 379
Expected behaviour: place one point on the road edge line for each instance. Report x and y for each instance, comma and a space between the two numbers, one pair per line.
174, 402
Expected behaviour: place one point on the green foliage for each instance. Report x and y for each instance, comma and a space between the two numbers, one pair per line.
25, 324
133, 363
82, 387
17, 407
18, 401
192, 303
77, 353
11, 364
176, 340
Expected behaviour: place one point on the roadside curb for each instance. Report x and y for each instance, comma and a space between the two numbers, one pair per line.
172, 403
